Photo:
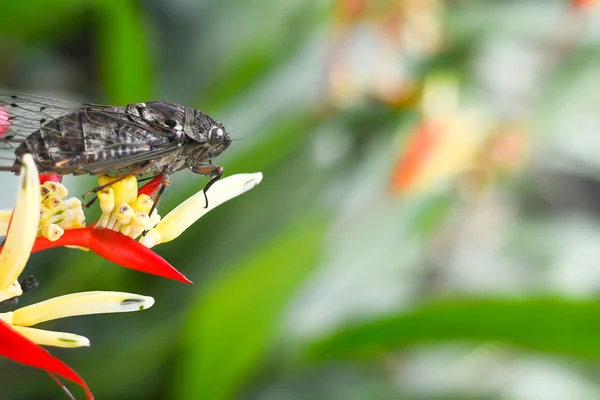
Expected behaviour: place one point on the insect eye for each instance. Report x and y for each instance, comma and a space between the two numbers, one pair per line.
217, 135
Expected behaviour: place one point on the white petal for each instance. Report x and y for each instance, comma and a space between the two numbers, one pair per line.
80, 304
24, 226
51, 338
192, 209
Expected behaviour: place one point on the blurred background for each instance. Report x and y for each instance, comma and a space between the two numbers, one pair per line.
428, 226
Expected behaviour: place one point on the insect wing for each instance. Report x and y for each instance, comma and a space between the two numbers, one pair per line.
21, 115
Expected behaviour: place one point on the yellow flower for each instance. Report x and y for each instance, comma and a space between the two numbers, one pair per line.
125, 216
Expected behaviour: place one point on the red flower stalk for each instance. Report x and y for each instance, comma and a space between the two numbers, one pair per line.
22, 350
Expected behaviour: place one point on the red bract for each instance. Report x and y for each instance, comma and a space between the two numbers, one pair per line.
50, 178
151, 187
22, 350
115, 247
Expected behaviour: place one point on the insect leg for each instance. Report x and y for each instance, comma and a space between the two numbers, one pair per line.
214, 171
165, 182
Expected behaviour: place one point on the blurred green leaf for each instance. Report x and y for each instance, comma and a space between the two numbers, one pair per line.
20, 19
259, 49
550, 325
432, 215
232, 324
125, 66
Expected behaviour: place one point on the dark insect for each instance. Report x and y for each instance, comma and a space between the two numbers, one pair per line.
155, 138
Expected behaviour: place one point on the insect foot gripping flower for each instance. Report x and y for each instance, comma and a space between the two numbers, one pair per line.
18, 341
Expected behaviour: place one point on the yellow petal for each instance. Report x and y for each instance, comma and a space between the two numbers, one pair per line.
24, 226
52, 232
51, 338
126, 190
192, 209
69, 204
57, 188
5, 215
143, 204
106, 198
124, 214
80, 304
3, 228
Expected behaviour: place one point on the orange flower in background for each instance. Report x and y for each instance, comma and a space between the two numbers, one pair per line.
445, 142
582, 4
453, 141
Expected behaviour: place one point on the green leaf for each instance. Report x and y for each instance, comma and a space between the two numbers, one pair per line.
124, 56
231, 326
20, 19
550, 325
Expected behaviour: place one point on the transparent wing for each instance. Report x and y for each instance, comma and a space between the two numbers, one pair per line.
23, 114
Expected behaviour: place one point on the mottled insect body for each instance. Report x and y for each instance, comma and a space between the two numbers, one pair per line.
156, 137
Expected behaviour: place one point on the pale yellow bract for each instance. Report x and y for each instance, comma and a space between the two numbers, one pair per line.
188, 212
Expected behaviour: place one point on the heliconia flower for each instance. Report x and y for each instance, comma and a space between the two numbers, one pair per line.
125, 216
18, 340
62, 223
13, 257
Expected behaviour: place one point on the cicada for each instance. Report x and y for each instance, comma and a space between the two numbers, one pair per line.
155, 138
